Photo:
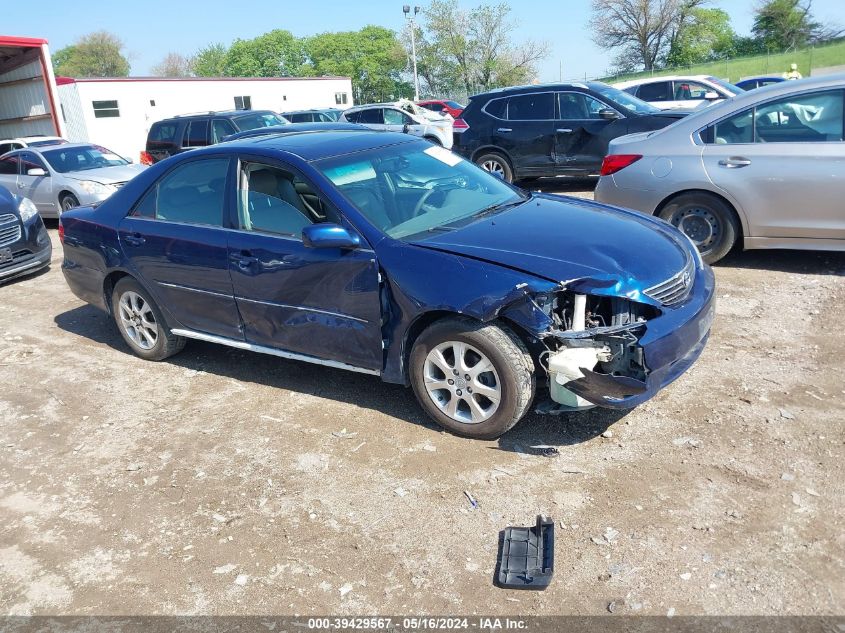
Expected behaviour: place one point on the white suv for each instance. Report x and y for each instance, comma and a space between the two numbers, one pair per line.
680, 91
403, 116
9, 144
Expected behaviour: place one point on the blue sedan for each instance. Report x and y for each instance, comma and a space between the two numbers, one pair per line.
384, 254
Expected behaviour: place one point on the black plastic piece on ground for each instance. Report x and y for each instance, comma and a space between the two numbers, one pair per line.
526, 555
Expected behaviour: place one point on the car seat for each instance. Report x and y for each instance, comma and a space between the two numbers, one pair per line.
269, 209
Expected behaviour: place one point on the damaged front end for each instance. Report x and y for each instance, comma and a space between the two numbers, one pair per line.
614, 345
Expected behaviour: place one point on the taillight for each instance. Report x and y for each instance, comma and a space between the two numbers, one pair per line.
459, 125
146, 159
613, 163
61, 232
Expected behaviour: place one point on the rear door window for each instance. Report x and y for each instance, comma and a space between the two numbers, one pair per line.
193, 193
371, 116
196, 134
810, 118
538, 106
9, 165
220, 129
657, 91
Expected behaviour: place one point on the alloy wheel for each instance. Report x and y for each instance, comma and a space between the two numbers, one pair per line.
493, 166
462, 382
138, 320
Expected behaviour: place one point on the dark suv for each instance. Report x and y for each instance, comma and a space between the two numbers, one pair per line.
530, 132
189, 131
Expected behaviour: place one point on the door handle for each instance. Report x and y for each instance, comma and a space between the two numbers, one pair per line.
504, 130
564, 130
734, 161
134, 240
243, 259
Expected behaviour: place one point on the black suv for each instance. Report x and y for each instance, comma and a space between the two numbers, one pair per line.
189, 131
530, 132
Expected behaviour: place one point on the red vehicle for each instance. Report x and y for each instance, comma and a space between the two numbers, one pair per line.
441, 106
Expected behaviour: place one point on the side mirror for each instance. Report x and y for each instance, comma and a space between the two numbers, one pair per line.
36, 171
329, 236
711, 95
406, 128
608, 115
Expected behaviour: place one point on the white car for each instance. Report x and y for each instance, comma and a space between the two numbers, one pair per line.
403, 116
680, 91
10, 144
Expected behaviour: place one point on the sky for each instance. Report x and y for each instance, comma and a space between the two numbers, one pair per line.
152, 28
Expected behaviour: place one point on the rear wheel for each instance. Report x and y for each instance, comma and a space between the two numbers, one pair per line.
707, 220
140, 323
496, 164
474, 379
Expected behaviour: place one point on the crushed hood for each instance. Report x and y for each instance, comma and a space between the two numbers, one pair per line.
608, 250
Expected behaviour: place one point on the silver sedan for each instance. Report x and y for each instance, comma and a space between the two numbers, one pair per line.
765, 169
60, 177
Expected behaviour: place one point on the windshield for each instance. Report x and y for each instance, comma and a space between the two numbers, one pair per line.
727, 86
81, 158
258, 119
413, 189
624, 99
453, 104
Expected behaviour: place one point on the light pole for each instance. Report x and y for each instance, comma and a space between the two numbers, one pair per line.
406, 9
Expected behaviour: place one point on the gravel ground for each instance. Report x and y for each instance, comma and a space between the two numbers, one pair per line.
225, 482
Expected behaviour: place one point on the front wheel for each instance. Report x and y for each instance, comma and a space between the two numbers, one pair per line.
140, 322
474, 379
707, 220
68, 202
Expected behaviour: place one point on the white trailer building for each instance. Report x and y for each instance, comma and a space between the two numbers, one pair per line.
118, 112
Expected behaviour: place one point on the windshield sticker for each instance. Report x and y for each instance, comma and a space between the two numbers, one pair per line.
348, 174
443, 155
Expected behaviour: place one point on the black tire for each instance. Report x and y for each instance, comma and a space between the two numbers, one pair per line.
514, 371
707, 220
166, 344
496, 163
68, 201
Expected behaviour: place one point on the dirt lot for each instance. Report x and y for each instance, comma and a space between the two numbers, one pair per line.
226, 482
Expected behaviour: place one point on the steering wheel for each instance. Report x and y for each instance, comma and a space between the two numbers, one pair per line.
418, 209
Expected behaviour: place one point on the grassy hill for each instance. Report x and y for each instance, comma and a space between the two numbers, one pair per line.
736, 69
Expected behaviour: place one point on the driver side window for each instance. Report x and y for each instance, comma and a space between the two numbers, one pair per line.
274, 200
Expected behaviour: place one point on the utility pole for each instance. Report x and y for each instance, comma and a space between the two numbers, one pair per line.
406, 9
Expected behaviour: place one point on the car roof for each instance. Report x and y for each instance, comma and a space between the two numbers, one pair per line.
316, 145
307, 111
220, 113
499, 92
643, 80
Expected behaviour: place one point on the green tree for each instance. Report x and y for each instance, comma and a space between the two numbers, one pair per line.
97, 54
274, 54
372, 57
707, 36
210, 61
782, 25
473, 49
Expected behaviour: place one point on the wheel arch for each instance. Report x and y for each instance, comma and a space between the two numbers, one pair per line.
64, 191
494, 149
109, 282
740, 217
427, 319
